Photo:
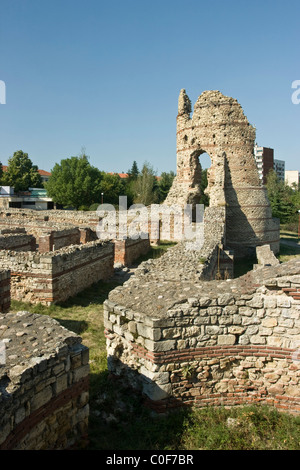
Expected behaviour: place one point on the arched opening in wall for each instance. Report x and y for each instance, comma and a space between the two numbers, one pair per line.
205, 163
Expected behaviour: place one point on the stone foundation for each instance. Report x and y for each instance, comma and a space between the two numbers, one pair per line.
54, 240
127, 251
17, 242
55, 276
209, 343
43, 385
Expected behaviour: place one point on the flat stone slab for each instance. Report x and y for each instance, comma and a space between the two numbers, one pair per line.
26, 339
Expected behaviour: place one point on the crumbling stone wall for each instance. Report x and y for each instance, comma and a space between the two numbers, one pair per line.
181, 341
219, 127
48, 218
127, 251
17, 242
55, 276
44, 384
56, 239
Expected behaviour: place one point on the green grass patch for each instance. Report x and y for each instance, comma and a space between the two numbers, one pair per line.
242, 428
156, 251
289, 246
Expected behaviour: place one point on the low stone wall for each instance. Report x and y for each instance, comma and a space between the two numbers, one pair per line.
55, 276
44, 384
209, 343
55, 217
78, 267
57, 239
127, 251
17, 242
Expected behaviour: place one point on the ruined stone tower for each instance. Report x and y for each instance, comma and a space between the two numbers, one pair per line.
219, 128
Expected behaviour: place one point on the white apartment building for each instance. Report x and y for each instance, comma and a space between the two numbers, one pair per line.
264, 158
265, 162
292, 177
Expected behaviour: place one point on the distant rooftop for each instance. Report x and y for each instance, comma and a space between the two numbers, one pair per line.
41, 172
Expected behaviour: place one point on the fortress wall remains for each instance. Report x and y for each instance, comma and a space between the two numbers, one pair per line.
58, 239
55, 276
17, 242
78, 267
44, 384
219, 127
226, 343
64, 217
127, 251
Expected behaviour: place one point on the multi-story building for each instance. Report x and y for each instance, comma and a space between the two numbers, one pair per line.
279, 167
292, 178
264, 158
265, 162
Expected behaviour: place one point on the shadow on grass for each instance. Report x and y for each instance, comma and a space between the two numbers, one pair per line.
289, 235
119, 419
95, 294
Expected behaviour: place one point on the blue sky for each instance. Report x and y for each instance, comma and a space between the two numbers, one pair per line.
106, 75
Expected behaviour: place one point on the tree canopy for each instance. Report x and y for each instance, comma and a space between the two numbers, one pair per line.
112, 186
21, 173
283, 199
75, 183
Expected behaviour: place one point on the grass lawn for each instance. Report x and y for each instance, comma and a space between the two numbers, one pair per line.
118, 419
289, 246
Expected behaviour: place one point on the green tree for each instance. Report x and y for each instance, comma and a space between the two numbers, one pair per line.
281, 198
75, 183
204, 199
112, 186
146, 186
164, 184
133, 173
21, 173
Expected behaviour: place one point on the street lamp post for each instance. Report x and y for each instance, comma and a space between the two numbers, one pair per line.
299, 225
102, 198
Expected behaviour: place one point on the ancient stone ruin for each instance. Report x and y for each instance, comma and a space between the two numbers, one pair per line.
59, 254
219, 128
47, 257
44, 384
180, 330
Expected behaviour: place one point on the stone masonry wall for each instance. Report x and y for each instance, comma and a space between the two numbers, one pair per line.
55, 276
57, 239
44, 384
219, 128
17, 242
127, 251
29, 217
212, 343
78, 267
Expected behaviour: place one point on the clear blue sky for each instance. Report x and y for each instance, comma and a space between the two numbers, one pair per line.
106, 75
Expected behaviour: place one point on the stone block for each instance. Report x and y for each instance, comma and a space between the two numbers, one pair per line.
228, 339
